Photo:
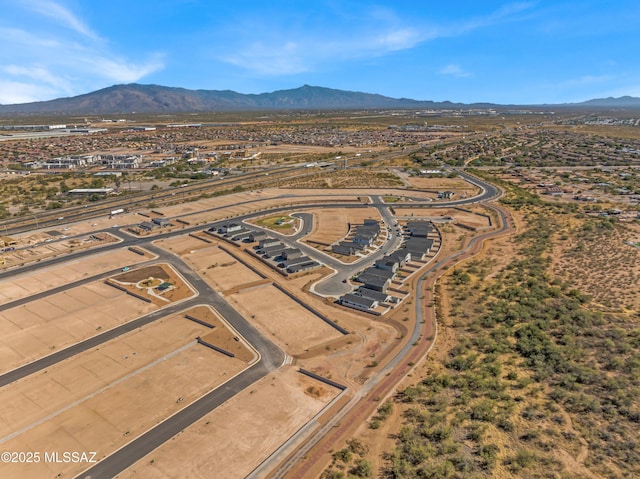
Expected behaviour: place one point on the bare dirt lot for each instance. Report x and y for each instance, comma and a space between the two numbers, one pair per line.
332, 224
222, 335
46, 246
457, 185
235, 438
103, 222
103, 398
23, 285
219, 269
41, 327
281, 319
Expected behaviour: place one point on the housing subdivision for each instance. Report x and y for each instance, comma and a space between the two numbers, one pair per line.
379, 284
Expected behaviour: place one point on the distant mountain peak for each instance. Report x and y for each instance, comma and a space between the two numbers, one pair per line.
126, 98
135, 97
625, 101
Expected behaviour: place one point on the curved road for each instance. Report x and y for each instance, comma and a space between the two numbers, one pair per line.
316, 448
271, 356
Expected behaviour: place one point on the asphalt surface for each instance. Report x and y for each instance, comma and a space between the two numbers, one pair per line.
271, 357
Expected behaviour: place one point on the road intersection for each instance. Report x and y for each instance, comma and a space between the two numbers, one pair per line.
270, 356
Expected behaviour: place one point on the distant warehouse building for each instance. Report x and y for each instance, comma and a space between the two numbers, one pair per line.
90, 191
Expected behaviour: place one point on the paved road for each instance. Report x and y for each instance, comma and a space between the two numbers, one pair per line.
271, 356
381, 384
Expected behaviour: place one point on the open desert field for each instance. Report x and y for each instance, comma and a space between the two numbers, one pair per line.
103, 398
34, 330
234, 439
453, 184
281, 319
332, 224
27, 284
196, 211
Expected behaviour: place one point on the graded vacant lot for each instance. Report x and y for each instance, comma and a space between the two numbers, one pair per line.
458, 185
36, 329
221, 270
282, 319
101, 399
183, 244
27, 284
235, 438
50, 245
222, 335
332, 224
104, 222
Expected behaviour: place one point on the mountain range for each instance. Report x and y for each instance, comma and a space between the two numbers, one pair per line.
136, 98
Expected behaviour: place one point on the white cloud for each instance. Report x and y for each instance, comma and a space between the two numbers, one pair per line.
454, 70
123, 71
21, 92
37, 73
58, 12
285, 59
67, 62
377, 33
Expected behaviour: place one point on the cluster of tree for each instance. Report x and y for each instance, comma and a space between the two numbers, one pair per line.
532, 351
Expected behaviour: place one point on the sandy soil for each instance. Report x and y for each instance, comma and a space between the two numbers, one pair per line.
101, 223
27, 284
222, 335
219, 269
235, 438
101, 399
183, 244
38, 328
42, 250
381, 441
281, 319
232, 205
332, 224
452, 184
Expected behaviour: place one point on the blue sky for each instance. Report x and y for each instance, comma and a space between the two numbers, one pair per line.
522, 52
